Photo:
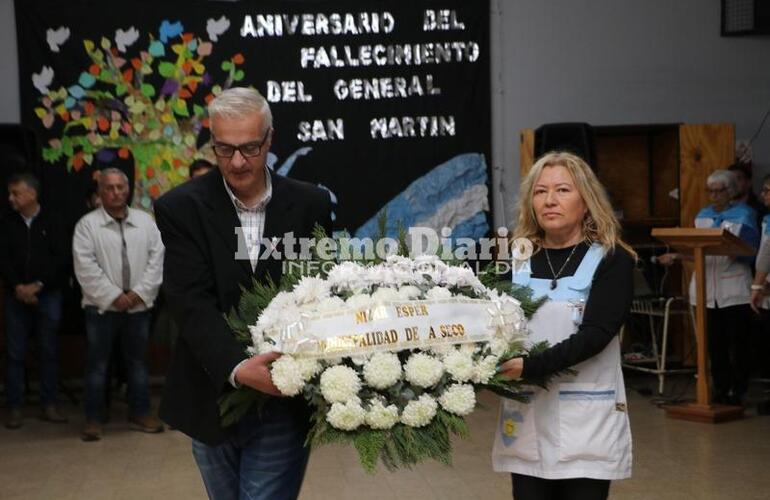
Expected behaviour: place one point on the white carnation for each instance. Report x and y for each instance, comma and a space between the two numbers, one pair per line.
459, 399
485, 369
381, 417
383, 370
311, 289
459, 365
423, 370
287, 375
340, 384
420, 412
409, 292
384, 294
346, 416
359, 301
438, 293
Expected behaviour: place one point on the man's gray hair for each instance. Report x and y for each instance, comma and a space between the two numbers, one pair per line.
238, 102
726, 178
112, 170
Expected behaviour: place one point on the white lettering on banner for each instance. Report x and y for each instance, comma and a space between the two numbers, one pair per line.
407, 54
320, 130
412, 126
390, 326
274, 25
288, 91
441, 20
385, 88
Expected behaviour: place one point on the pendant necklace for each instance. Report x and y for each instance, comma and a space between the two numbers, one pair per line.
556, 275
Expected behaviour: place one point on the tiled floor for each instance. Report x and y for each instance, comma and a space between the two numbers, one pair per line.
672, 460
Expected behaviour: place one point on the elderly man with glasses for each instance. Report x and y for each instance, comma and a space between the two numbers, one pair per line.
213, 231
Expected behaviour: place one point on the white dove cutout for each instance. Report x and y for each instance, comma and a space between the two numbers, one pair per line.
56, 38
42, 80
216, 27
124, 39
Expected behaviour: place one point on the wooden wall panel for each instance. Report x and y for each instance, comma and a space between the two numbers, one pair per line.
526, 151
702, 149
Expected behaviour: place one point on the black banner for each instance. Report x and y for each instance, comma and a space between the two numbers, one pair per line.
385, 104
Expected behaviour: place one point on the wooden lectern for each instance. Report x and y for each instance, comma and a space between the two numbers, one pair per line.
699, 243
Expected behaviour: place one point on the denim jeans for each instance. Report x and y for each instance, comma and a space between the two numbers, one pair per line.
264, 459
132, 331
22, 319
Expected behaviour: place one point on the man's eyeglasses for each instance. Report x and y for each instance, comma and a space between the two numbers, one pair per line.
247, 150
716, 191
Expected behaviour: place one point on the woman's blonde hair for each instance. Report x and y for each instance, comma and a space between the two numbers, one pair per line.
599, 225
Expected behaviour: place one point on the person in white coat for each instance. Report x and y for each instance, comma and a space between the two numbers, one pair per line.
571, 440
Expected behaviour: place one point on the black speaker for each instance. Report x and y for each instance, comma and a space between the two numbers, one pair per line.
576, 138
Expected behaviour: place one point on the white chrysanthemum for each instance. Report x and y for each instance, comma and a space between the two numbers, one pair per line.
330, 304
485, 369
287, 375
456, 276
409, 292
428, 260
311, 289
340, 384
384, 294
437, 293
381, 417
359, 301
459, 399
498, 345
382, 370
423, 370
308, 368
380, 275
459, 365
346, 416
441, 350
347, 276
420, 412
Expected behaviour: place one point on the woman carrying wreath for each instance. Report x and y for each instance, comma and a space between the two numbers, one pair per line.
571, 440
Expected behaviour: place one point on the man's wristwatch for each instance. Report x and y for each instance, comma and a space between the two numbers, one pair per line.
758, 287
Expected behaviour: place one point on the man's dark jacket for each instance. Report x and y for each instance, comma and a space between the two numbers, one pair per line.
202, 281
38, 253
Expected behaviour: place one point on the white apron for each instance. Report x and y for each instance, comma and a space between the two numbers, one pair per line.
579, 427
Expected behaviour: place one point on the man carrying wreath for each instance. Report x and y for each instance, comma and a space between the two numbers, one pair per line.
206, 224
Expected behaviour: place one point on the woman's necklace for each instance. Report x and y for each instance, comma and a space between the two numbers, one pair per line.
556, 275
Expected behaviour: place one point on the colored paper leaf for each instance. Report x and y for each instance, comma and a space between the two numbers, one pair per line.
238, 76
157, 49
166, 69
226, 65
147, 90
40, 112
105, 43
86, 80
204, 49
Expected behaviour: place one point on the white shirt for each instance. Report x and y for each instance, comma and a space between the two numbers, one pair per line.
252, 218
96, 251
253, 227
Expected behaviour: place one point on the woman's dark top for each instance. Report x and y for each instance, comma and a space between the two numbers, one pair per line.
605, 312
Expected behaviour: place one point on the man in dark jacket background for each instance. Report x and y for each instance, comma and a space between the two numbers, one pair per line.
33, 263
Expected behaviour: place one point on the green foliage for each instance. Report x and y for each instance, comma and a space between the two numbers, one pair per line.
398, 447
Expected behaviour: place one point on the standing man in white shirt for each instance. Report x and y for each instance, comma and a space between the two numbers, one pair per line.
118, 257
